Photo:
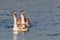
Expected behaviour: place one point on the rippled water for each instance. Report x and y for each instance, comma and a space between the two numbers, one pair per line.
44, 18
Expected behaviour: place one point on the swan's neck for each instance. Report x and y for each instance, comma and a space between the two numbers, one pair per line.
15, 22
22, 19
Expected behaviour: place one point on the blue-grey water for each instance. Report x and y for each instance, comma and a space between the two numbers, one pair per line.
44, 18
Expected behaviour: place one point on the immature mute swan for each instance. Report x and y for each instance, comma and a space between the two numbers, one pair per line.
23, 23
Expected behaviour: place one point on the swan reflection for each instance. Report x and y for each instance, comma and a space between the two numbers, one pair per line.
24, 36
15, 33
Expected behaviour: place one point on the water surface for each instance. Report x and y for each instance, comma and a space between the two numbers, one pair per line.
44, 18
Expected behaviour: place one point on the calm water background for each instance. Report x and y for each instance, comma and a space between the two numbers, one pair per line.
44, 18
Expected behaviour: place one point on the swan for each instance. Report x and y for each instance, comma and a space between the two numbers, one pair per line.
21, 23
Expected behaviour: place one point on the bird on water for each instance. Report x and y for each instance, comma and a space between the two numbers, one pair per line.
21, 23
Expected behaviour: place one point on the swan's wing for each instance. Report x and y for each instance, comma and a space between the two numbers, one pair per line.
18, 21
27, 21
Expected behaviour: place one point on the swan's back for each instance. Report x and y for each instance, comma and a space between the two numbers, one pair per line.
26, 22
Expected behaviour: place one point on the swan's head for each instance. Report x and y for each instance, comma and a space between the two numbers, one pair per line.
22, 12
14, 13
